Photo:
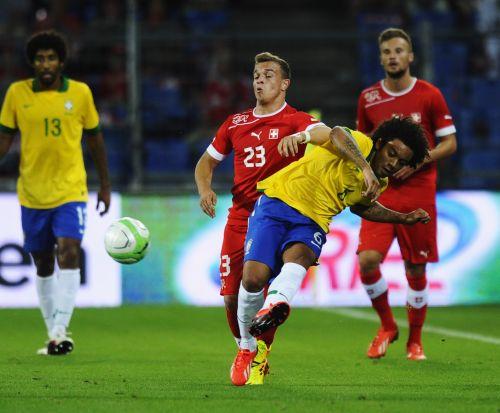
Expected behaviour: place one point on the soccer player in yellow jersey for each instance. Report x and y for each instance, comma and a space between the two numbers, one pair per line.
288, 227
51, 112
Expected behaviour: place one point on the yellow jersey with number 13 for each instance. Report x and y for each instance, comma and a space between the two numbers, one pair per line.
321, 184
51, 124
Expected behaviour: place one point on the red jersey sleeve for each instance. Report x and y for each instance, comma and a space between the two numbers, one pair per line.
304, 121
222, 144
442, 122
363, 124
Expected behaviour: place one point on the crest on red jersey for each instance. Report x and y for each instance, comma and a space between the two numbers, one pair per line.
274, 133
239, 118
372, 96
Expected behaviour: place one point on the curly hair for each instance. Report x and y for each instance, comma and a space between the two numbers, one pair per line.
408, 132
45, 40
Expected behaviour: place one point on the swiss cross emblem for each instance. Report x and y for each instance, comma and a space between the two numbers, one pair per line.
274, 133
416, 116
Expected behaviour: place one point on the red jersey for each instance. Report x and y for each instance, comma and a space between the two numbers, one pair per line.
426, 105
254, 140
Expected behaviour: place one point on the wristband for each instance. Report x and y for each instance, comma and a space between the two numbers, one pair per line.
307, 138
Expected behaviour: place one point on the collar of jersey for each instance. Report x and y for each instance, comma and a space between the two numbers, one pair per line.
401, 92
63, 88
269, 114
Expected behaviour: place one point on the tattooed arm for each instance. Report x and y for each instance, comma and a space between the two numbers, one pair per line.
378, 213
347, 148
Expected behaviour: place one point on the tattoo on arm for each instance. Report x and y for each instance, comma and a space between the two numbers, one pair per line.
378, 213
347, 147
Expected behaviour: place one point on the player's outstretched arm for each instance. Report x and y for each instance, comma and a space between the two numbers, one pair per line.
347, 148
378, 213
203, 174
5, 142
289, 145
97, 150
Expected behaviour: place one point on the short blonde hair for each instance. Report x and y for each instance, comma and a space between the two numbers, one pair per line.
393, 32
269, 57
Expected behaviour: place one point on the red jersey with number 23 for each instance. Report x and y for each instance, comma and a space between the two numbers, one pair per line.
427, 106
254, 140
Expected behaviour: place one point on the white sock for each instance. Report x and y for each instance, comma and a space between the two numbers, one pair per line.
417, 299
286, 284
376, 289
248, 305
46, 288
68, 284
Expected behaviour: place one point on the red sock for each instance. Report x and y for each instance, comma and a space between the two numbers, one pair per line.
416, 316
268, 336
380, 303
232, 320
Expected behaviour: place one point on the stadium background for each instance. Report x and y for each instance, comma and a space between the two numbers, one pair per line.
165, 74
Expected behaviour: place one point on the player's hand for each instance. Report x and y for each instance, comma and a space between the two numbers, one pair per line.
104, 197
208, 200
289, 145
372, 191
419, 215
406, 171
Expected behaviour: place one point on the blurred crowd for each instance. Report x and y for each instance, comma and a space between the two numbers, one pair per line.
190, 81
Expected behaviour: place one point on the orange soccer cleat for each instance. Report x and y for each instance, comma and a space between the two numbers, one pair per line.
240, 370
267, 318
415, 351
378, 347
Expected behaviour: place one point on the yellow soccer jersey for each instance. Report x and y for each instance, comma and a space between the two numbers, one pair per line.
321, 184
51, 123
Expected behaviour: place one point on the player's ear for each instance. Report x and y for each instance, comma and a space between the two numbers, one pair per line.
285, 84
411, 57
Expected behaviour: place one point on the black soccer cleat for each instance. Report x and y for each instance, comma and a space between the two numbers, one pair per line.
268, 318
60, 347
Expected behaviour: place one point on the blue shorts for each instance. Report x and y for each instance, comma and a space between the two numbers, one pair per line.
41, 227
274, 225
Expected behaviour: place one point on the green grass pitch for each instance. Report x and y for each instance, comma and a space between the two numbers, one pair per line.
175, 358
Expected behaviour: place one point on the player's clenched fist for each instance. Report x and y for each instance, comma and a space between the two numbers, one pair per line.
208, 200
419, 215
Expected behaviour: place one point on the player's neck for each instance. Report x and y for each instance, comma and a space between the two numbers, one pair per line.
397, 85
56, 85
268, 107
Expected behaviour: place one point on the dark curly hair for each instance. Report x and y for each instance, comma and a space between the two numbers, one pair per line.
45, 40
408, 132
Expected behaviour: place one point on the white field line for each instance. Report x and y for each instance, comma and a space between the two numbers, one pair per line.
361, 315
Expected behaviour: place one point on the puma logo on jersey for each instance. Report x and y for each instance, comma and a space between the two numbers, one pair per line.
447, 117
256, 135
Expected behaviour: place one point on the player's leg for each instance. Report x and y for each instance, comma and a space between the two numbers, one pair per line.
39, 242
300, 248
374, 242
263, 240
250, 300
68, 226
231, 270
418, 245
46, 284
416, 306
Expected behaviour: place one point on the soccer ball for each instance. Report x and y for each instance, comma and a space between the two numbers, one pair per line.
127, 240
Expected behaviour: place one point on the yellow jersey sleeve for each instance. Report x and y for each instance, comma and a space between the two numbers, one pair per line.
8, 121
90, 115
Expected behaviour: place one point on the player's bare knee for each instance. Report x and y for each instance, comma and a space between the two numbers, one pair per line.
68, 257
369, 261
415, 270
